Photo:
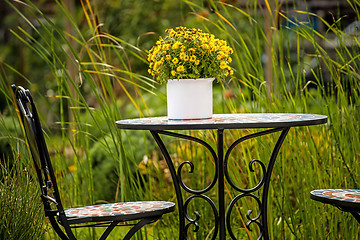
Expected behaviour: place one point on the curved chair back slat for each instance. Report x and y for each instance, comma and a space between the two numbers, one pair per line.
40, 155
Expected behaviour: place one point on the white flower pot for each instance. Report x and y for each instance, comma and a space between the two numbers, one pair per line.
189, 98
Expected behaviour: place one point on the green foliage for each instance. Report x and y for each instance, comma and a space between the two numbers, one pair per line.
8, 128
140, 22
22, 215
106, 168
104, 173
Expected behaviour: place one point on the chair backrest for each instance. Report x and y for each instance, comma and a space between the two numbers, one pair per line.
35, 138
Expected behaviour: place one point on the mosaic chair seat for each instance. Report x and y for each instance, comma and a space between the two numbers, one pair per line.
347, 200
64, 220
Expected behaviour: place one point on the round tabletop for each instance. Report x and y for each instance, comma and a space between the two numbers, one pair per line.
225, 121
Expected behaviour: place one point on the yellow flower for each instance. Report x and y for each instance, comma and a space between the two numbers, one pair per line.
205, 46
192, 50
175, 60
197, 62
168, 57
223, 65
176, 45
212, 46
186, 58
192, 58
156, 65
182, 55
172, 33
180, 68
166, 46
173, 73
229, 71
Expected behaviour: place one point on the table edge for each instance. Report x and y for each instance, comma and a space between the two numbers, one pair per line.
195, 126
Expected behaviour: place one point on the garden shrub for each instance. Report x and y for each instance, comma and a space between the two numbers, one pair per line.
22, 214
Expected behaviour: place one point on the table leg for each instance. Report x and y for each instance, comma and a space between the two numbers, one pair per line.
179, 197
221, 193
267, 181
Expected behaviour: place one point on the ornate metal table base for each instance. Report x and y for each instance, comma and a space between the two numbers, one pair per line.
222, 211
222, 219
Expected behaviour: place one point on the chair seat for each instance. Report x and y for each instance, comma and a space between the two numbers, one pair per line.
122, 211
347, 199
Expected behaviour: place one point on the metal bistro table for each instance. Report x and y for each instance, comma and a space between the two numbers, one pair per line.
271, 122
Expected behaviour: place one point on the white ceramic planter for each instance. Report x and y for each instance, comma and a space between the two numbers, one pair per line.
189, 98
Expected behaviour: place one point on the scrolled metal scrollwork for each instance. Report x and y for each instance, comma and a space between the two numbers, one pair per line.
180, 178
194, 221
192, 167
251, 163
254, 220
263, 168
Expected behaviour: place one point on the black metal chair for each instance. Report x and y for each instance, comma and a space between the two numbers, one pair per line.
110, 215
347, 200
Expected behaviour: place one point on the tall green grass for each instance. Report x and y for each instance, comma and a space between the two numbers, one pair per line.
21, 215
275, 71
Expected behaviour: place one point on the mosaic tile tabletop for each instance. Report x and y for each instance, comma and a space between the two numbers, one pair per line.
225, 121
346, 197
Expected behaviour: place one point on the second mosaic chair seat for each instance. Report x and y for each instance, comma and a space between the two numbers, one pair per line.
347, 200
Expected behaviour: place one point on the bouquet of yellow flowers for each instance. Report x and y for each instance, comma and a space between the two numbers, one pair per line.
189, 53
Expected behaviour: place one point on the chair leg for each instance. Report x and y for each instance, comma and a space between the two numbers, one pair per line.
108, 230
139, 225
356, 216
68, 231
57, 229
